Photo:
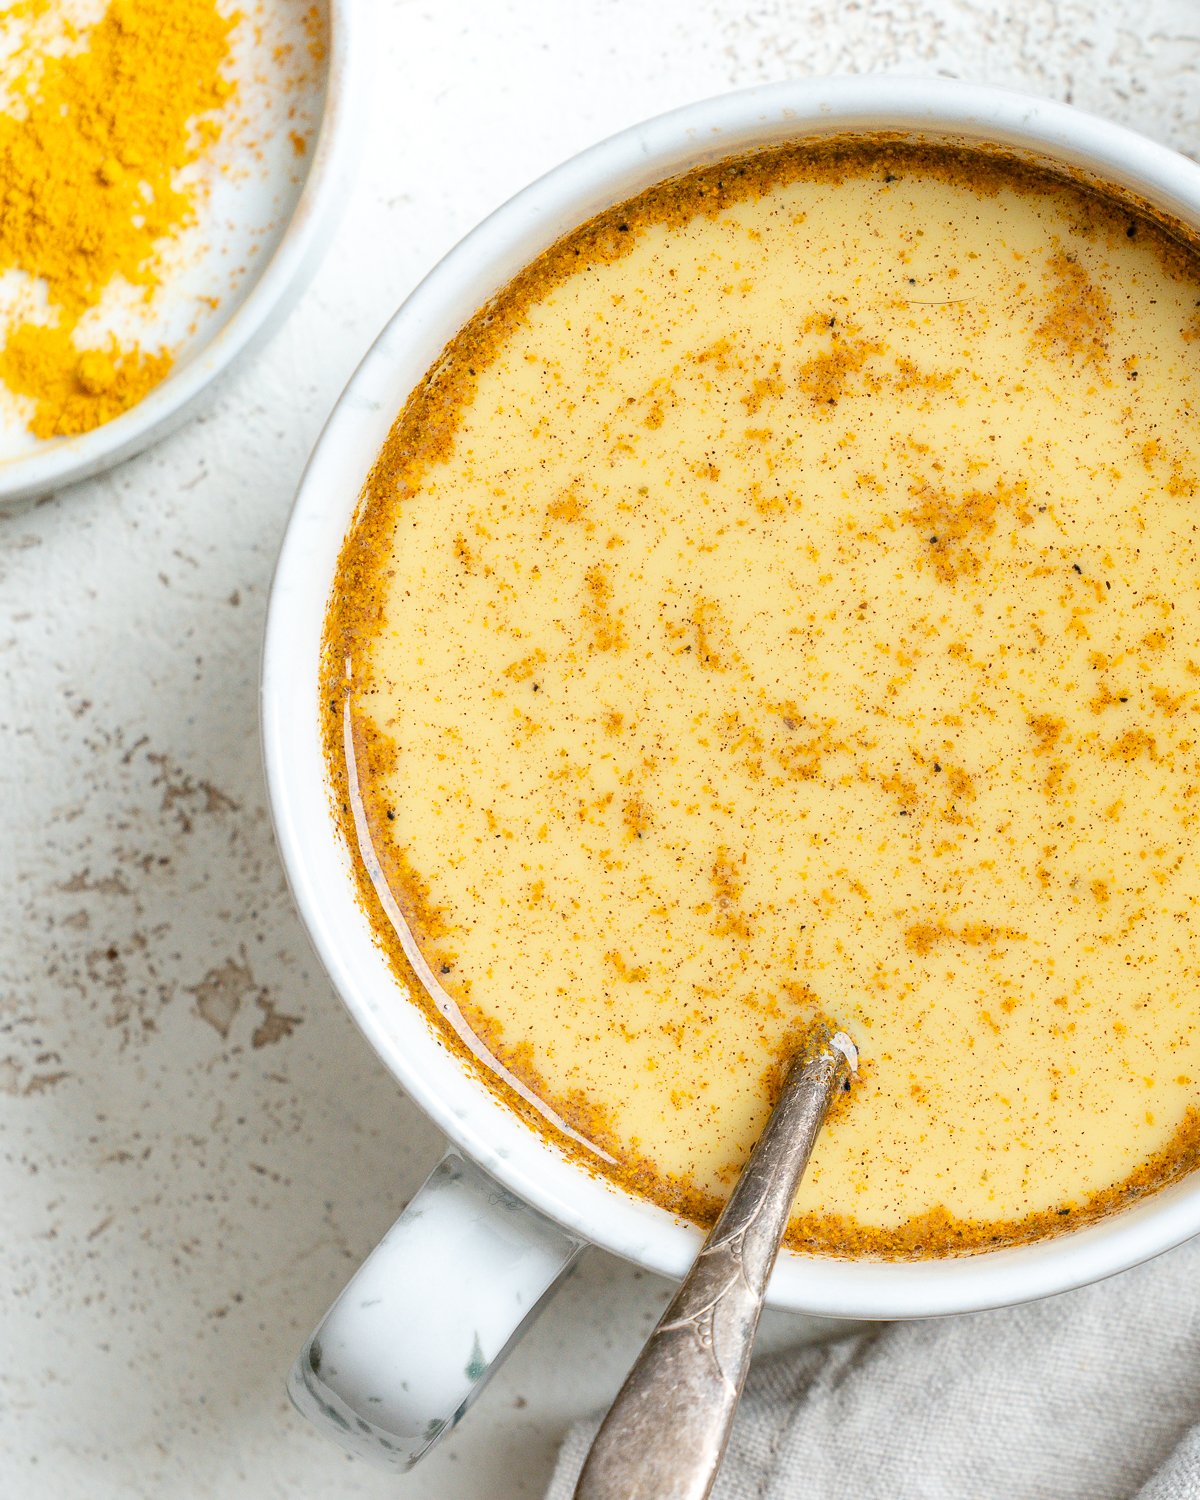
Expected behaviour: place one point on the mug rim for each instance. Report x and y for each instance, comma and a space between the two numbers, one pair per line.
316, 860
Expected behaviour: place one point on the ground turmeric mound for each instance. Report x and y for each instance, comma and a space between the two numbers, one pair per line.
88, 192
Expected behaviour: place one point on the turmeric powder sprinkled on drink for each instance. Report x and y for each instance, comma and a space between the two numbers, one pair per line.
89, 160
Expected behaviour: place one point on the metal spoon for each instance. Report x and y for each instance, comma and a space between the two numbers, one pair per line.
666, 1432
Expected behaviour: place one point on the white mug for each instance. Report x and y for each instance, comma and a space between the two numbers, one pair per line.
411, 1340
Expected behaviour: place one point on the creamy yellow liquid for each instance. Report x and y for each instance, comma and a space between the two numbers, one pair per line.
802, 615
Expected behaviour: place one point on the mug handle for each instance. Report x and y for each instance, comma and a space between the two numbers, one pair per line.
429, 1316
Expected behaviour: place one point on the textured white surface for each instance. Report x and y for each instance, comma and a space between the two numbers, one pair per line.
197, 1147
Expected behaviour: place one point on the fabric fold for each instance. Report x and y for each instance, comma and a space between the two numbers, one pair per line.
1092, 1395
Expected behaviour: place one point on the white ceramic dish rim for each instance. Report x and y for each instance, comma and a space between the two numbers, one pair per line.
317, 861
66, 461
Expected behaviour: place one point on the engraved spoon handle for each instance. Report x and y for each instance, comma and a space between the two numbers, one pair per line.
666, 1432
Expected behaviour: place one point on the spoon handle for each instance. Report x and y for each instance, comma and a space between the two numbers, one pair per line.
664, 1435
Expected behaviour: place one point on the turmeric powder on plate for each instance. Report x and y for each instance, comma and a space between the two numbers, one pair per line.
89, 193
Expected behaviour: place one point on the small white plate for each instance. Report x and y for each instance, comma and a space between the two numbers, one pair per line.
268, 201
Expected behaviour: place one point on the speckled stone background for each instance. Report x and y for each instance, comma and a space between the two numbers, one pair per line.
197, 1146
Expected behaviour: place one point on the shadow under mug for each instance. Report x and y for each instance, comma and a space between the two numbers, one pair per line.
412, 1339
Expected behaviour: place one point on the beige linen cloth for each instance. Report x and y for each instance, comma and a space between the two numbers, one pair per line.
1092, 1395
